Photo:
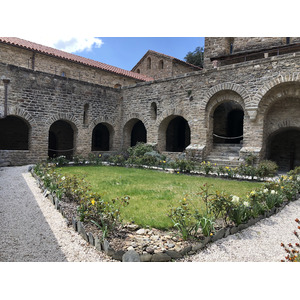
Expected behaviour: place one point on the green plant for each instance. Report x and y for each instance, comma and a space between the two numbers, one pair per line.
206, 224
140, 149
207, 167
240, 211
183, 219
220, 204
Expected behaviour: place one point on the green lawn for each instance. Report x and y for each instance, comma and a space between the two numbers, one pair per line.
151, 192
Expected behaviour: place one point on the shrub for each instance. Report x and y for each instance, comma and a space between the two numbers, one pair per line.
207, 167
139, 149
184, 165
267, 168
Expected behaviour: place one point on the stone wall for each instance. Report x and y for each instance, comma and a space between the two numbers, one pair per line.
266, 90
41, 99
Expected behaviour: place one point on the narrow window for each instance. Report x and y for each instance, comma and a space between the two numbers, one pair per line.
161, 64
138, 71
153, 110
149, 63
288, 40
85, 114
63, 74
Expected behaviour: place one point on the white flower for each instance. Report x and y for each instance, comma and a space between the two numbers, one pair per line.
265, 190
273, 192
246, 203
235, 199
63, 178
298, 178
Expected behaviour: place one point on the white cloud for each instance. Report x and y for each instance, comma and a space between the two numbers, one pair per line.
68, 44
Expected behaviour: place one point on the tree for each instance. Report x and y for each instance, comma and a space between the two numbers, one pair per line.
196, 57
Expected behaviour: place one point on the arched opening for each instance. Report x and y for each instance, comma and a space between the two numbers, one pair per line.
138, 133
153, 110
101, 138
149, 63
161, 64
228, 120
178, 135
283, 147
61, 140
117, 86
14, 134
138, 71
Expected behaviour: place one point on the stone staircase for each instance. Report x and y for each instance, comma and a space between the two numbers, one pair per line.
225, 155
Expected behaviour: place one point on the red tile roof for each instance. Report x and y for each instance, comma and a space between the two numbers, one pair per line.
72, 57
169, 57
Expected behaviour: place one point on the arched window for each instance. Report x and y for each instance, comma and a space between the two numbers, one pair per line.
153, 110
288, 40
161, 64
149, 63
138, 71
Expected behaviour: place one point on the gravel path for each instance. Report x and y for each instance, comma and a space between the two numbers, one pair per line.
258, 243
31, 229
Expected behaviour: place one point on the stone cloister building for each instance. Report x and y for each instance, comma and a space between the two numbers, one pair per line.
246, 99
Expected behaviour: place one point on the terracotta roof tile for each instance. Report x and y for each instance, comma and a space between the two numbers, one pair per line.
72, 57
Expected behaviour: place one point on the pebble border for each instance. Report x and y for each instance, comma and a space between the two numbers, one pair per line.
168, 255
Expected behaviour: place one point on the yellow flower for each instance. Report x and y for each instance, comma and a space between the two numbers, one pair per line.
184, 199
93, 201
177, 172
211, 234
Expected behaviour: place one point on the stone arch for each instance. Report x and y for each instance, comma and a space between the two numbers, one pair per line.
217, 117
66, 117
62, 138
174, 134
134, 131
22, 113
227, 86
267, 87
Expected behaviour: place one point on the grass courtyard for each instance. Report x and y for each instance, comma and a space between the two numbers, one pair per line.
152, 193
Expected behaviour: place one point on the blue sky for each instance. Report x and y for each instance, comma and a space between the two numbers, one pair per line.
122, 52
125, 52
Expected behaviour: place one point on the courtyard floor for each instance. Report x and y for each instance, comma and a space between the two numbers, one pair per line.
32, 230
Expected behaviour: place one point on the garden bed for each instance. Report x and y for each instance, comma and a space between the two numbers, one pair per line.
132, 243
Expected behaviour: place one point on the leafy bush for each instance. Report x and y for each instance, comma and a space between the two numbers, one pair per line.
267, 168
184, 165
139, 149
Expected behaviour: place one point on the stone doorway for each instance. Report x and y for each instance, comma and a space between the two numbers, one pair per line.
61, 140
